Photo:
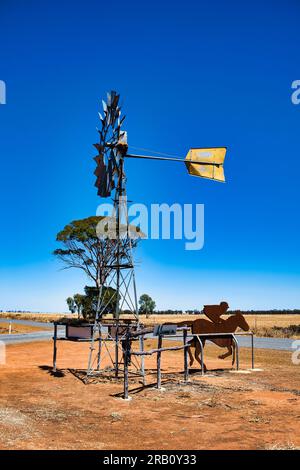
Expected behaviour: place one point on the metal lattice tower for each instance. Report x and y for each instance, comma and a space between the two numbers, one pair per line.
111, 178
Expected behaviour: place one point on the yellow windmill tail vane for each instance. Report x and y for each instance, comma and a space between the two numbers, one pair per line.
202, 162
206, 162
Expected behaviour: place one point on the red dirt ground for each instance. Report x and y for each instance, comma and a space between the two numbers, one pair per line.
224, 410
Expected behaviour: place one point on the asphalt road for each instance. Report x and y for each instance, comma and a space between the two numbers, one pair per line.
283, 344
43, 335
43, 325
46, 334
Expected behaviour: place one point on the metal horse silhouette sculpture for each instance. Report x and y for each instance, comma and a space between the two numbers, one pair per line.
215, 324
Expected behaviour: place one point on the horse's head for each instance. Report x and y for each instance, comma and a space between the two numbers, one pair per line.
242, 322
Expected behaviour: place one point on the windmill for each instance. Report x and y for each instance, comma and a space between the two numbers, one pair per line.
111, 182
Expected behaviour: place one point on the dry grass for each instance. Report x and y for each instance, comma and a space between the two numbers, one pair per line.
116, 416
291, 331
16, 328
269, 321
277, 325
255, 321
281, 446
41, 317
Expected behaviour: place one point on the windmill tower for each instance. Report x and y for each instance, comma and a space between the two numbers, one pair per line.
111, 178
120, 278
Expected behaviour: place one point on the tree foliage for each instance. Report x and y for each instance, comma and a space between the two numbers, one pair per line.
75, 304
86, 305
95, 254
147, 305
83, 249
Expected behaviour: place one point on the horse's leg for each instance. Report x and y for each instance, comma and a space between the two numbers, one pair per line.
229, 353
190, 356
197, 354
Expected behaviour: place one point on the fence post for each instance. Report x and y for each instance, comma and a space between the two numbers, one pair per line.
99, 348
142, 369
185, 352
126, 355
252, 350
159, 344
54, 347
117, 351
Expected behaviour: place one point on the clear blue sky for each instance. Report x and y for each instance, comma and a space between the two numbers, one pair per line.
192, 73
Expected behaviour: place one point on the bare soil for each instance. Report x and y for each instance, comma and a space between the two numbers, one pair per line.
223, 410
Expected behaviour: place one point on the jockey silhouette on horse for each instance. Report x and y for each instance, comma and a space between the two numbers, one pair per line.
215, 324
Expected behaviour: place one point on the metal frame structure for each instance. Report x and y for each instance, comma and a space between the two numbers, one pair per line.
185, 338
110, 334
124, 343
111, 343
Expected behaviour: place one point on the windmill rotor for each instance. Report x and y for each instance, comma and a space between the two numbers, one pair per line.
111, 147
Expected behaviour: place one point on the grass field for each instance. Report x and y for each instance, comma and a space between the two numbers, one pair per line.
255, 321
261, 325
41, 317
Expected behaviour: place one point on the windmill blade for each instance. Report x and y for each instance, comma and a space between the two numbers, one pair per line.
104, 105
102, 177
115, 99
99, 147
108, 99
210, 164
